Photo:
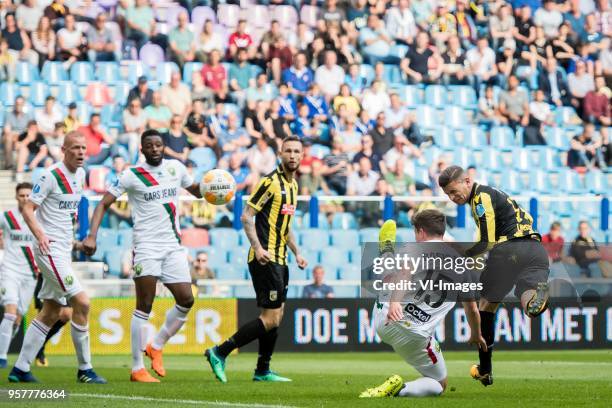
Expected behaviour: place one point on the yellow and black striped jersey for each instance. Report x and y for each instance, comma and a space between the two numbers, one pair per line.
498, 218
275, 200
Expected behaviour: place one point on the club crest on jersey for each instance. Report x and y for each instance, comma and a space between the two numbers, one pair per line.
138, 269
288, 209
172, 171
480, 210
273, 295
69, 280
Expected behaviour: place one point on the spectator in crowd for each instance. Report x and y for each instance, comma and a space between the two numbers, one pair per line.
256, 122
401, 148
279, 58
367, 151
329, 76
412, 132
261, 158
200, 268
287, 102
245, 180
318, 289
540, 111
376, 42
8, 62
215, 76
70, 42
28, 14
349, 101
56, 12
553, 242
182, 42
356, 82
158, 115
524, 31
235, 137
552, 82
336, 167
316, 103
585, 149
592, 37
399, 182
19, 44
466, 27
72, 121
597, 104
382, 136
140, 23
31, 150
100, 145
331, 14
101, 44
575, 18
363, 181
357, 13
580, 83
54, 144
585, 251
501, 25
442, 25
142, 92
375, 99
549, 18
116, 168
209, 40
298, 77
241, 39
400, 23
302, 125
564, 46
454, 70
176, 96
134, 123
269, 37
481, 60
43, 41
175, 141
280, 125
239, 76
514, 104
15, 123
418, 62
260, 90
395, 113
196, 129
351, 138
48, 116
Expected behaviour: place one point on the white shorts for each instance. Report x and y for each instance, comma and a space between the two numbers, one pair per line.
169, 266
59, 280
17, 289
420, 350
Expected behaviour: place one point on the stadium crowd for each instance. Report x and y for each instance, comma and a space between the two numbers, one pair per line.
384, 93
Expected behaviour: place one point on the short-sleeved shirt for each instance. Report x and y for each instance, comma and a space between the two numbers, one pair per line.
419, 60
214, 76
72, 39
35, 145
514, 102
298, 80
183, 39
141, 16
241, 74
177, 144
161, 113
58, 194
18, 244
18, 123
94, 36
153, 192
313, 291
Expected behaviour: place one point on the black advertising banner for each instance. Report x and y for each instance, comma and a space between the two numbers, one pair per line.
332, 325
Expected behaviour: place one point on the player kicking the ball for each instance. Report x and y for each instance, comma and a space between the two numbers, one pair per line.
272, 204
409, 333
55, 198
18, 271
153, 192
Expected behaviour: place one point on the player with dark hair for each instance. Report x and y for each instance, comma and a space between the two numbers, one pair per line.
153, 192
272, 204
516, 255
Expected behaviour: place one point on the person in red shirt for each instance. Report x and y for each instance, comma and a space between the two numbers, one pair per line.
279, 57
553, 242
100, 145
214, 76
597, 104
240, 39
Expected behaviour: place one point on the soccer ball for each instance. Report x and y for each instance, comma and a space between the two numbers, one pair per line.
218, 187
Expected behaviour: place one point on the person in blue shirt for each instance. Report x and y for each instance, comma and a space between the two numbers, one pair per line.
317, 106
298, 77
318, 289
288, 105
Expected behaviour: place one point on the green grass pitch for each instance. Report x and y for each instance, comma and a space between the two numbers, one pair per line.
535, 379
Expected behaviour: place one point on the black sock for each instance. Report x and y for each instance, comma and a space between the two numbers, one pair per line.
52, 332
246, 334
487, 327
266, 348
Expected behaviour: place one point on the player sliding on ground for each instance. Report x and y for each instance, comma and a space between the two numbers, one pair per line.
411, 334
55, 198
272, 204
153, 192
516, 259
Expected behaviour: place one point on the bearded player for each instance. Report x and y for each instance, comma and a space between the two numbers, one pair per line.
272, 205
55, 199
153, 192
18, 271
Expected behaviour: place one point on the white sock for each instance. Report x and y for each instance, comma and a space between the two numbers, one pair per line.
32, 342
175, 319
6, 333
422, 387
80, 339
139, 319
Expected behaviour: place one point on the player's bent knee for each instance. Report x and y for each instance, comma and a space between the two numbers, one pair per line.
65, 314
186, 302
443, 383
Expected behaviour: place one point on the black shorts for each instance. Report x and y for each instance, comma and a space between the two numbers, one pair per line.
270, 282
518, 263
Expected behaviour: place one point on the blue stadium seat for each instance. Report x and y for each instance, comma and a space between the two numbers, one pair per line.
464, 96
225, 238
368, 235
81, 73
216, 256
557, 138
106, 240
333, 258
38, 93
350, 272
355, 255
26, 73
314, 238
165, 70
229, 271
239, 255
596, 182
410, 95
121, 90
244, 292
53, 72
398, 50
311, 255
297, 274
566, 115
347, 292
511, 182
204, 158
428, 117
392, 74
366, 71
319, 151
445, 137
111, 116
462, 156
462, 234
8, 92
67, 93
436, 95
344, 220
549, 159
539, 180
502, 136
344, 238
405, 235
136, 69
421, 174
455, 117
189, 69
113, 258
569, 181
107, 72
474, 136
2, 113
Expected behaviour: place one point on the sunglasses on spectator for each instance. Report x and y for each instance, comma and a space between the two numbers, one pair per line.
201, 260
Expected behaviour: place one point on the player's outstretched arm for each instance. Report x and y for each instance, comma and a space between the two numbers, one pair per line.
37, 231
89, 243
473, 318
